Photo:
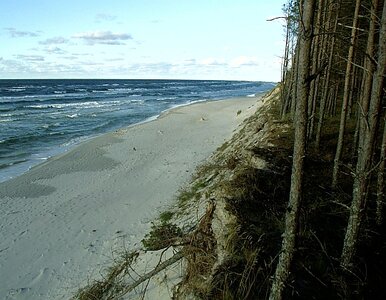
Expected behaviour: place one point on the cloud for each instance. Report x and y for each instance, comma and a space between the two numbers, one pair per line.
54, 41
38, 69
103, 37
14, 33
90, 63
244, 61
115, 59
55, 50
189, 62
104, 17
210, 61
151, 68
30, 58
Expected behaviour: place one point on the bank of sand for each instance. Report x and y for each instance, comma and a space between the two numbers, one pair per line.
61, 222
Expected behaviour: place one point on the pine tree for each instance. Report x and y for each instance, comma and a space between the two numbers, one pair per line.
367, 136
292, 215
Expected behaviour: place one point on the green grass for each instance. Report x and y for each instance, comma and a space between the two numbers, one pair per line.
162, 236
166, 216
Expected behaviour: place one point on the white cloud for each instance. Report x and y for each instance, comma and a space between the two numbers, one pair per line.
55, 50
38, 69
103, 37
115, 59
54, 41
244, 61
14, 33
210, 61
30, 58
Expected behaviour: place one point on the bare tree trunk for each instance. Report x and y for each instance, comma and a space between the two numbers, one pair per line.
346, 92
289, 86
296, 82
286, 51
292, 214
330, 97
367, 135
356, 137
326, 87
369, 68
369, 65
287, 95
381, 179
351, 93
315, 65
284, 67
335, 99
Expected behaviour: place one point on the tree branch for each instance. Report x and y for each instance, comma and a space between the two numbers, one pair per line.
176, 257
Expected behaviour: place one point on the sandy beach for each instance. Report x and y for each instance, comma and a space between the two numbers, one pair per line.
62, 221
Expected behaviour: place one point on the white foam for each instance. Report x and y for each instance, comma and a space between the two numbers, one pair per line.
72, 116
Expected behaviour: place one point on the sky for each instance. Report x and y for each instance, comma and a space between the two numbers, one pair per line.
141, 39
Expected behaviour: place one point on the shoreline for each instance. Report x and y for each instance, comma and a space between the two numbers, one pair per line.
43, 157
75, 210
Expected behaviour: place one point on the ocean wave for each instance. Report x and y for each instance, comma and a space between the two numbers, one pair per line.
90, 104
166, 98
46, 97
16, 89
121, 89
6, 120
72, 116
50, 125
12, 163
251, 95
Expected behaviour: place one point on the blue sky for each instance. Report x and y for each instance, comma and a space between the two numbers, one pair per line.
179, 39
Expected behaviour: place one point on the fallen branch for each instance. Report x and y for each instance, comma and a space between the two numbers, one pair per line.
176, 257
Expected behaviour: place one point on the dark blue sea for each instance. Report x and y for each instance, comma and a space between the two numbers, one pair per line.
42, 118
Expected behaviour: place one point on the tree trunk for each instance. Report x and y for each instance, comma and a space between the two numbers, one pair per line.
286, 51
316, 58
363, 168
369, 65
381, 179
292, 214
287, 95
346, 92
369, 68
326, 86
289, 86
284, 79
296, 82
351, 92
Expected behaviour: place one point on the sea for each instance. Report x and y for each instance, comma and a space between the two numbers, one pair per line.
43, 118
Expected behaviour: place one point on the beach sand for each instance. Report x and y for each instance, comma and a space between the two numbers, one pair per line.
63, 221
